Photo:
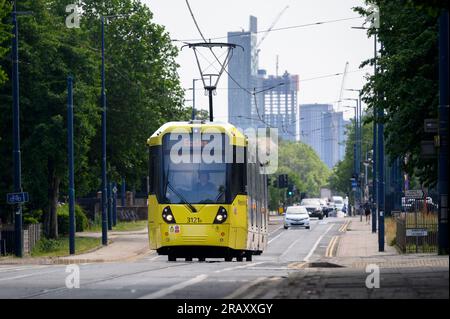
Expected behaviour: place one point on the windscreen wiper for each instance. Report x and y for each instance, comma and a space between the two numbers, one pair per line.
192, 208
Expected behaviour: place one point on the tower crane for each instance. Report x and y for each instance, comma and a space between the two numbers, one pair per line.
344, 78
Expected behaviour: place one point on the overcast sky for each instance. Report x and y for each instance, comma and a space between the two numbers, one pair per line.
310, 52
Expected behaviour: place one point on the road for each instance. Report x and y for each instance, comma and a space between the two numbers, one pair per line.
154, 277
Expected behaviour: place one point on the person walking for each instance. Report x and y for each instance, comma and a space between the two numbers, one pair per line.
367, 212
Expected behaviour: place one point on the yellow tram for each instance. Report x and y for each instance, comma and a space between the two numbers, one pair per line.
208, 196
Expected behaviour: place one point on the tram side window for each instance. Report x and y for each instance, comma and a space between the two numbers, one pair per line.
153, 170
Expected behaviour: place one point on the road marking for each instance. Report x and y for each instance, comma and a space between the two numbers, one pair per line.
331, 245
29, 275
316, 244
241, 290
20, 268
343, 228
239, 267
276, 230
277, 236
296, 265
166, 291
290, 247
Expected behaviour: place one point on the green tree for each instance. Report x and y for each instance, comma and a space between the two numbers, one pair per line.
143, 88
339, 180
304, 168
406, 86
5, 34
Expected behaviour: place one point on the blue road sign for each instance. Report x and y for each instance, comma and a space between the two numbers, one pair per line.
17, 198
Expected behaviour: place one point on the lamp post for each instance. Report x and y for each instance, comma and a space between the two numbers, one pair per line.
355, 150
104, 174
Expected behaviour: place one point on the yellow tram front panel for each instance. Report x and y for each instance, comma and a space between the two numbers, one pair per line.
198, 229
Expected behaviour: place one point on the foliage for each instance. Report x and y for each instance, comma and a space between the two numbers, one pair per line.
60, 247
406, 85
339, 180
304, 168
143, 92
5, 31
81, 220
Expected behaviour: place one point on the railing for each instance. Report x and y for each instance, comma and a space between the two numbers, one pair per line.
31, 235
417, 229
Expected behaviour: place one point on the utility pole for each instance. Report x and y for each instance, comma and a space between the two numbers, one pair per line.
122, 193
104, 177
375, 153
381, 186
17, 164
71, 166
443, 134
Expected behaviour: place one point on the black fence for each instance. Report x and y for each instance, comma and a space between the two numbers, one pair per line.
31, 235
417, 228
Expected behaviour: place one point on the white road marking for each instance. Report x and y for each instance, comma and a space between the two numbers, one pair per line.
316, 244
277, 236
275, 230
29, 275
238, 267
166, 291
244, 288
20, 268
290, 247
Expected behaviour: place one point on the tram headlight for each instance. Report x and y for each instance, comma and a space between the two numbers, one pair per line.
168, 216
221, 216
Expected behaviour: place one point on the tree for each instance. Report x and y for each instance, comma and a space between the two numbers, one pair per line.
5, 31
143, 88
406, 86
339, 180
304, 168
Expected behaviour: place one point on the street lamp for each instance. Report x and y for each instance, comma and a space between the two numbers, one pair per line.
105, 215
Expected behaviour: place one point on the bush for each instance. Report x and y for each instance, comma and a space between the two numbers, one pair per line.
47, 245
32, 217
81, 220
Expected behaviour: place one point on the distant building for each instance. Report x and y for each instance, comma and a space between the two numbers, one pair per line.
243, 69
279, 106
324, 130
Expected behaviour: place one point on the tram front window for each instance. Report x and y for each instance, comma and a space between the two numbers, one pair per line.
194, 183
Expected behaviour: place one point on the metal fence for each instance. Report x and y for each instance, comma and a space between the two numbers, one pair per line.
417, 228
31, 235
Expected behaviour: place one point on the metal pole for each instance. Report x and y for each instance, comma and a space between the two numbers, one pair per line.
193, 99
443, 134
375, 154
123, 186
114, 204
18, 232
110, 208
381, 186
211, 113
104, 180
71, 166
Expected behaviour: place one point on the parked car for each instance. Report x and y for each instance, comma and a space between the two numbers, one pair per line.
313, 207
296, 216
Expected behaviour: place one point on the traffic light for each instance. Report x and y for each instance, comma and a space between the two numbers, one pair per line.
290, 190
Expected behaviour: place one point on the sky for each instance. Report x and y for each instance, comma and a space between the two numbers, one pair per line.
310, 52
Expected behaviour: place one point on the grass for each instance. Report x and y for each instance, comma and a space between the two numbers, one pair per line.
390, 226
121, 226
60, 247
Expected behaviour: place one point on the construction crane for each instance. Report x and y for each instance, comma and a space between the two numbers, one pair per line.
257, 50
341, 94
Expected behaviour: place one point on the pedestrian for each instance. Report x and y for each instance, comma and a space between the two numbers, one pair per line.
367, 212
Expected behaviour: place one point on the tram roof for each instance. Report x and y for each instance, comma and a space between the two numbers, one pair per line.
236, 137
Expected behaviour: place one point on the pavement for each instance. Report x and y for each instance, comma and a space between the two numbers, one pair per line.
327, 261
122, 246
345, 274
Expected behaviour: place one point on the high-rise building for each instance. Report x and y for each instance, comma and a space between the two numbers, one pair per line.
324, 130
279, 106
243, 73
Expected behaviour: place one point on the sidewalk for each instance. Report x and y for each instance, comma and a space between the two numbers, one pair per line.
358, 247
122, 246
417, 276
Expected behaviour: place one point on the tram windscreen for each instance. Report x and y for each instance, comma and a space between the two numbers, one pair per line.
193, 181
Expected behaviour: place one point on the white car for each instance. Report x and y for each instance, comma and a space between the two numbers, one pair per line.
296, 216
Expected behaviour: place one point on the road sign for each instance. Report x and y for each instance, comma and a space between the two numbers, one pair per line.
414, 193
17, 198
114, 189
419, 232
